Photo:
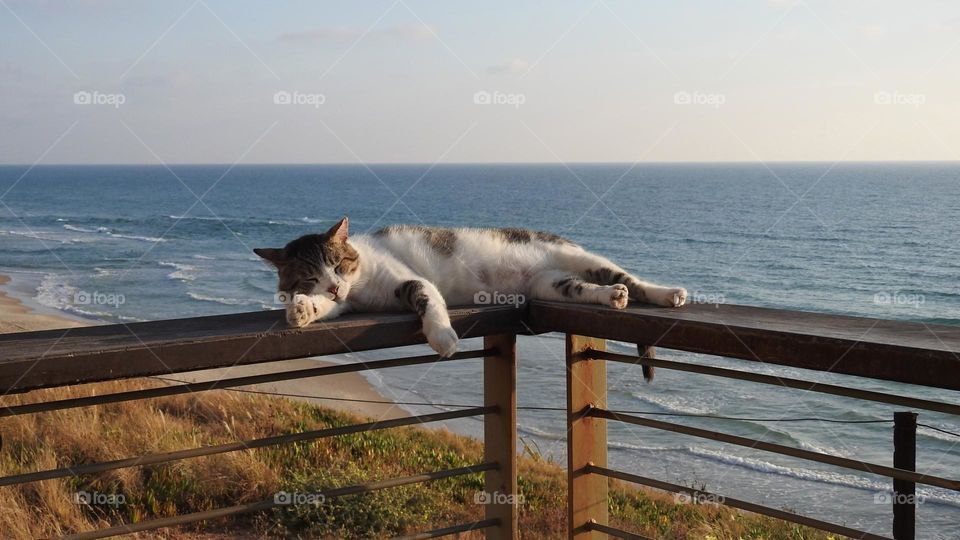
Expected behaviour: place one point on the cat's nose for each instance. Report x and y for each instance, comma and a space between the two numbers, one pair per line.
333, 290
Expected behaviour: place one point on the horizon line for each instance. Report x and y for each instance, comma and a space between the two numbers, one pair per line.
496, 163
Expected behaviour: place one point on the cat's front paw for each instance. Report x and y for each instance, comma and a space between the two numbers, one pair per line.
301, 311
443, 339
616, 296
674, 297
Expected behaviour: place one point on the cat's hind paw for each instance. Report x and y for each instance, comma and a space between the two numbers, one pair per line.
444, 340
615, 296
301, 311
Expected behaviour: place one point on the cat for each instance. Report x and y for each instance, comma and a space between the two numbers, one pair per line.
422, 269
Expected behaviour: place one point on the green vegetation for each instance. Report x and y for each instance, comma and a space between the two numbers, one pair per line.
72, 437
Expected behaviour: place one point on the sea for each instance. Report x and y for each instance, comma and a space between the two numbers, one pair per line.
136, 243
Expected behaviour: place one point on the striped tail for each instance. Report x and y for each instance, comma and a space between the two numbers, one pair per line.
646, 351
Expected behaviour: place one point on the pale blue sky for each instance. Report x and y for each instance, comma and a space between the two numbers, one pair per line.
579, 81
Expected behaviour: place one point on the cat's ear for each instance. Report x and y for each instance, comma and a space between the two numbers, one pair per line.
338, 233
274, 256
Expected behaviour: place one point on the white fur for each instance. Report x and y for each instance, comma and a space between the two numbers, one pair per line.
482, 260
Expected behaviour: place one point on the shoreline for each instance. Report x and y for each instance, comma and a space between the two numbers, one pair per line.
17, 316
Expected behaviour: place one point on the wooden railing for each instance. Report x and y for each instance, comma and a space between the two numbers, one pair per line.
911, 353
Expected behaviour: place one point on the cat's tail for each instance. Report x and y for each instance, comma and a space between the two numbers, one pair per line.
646, 351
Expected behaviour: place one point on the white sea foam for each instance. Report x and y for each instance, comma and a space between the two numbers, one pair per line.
637, 448
200, 218
55, 292
182, 272
824, 477
925, 432
153, 239
219, 300
45, 236
681, 404
107, 231
532, 430
78, 229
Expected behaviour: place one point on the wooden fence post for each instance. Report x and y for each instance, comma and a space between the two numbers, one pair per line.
500, 435
586, 438
904, 491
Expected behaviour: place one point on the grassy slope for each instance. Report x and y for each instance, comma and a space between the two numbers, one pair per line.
63, 438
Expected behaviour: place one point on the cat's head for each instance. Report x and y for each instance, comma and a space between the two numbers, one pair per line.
319, 264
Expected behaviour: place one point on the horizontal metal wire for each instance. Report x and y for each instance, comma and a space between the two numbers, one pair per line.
734, 503
819, 457
152, 459
160, 523
563, 409
809, 386
466, 527
203, 386
613, 531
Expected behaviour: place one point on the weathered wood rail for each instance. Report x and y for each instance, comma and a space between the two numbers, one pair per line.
918, 354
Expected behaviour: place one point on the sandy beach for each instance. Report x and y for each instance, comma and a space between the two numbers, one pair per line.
17, 317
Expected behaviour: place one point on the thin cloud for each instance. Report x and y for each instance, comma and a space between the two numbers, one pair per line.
402, 32
517, 65
873, 31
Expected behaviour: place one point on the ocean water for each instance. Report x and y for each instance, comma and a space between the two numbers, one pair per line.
131, 243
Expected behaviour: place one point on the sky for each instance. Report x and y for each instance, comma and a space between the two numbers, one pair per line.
208, 81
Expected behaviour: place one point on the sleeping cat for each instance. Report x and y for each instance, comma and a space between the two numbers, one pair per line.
424, 268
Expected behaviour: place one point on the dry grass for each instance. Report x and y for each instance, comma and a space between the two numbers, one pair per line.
72, 437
